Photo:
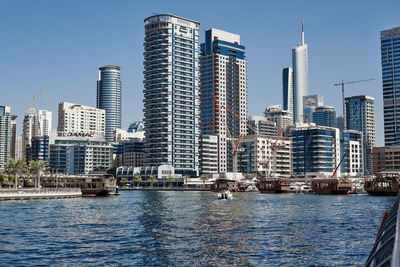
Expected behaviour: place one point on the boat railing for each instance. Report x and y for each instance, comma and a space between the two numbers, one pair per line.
386, 250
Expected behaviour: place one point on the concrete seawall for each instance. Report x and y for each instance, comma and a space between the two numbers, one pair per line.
47, 193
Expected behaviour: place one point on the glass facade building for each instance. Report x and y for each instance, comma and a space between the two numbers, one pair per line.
315, 151
223, 74
324, 116
109, 98
287, 88
171, 92
40, 148
300, 77
360, 116
390, 58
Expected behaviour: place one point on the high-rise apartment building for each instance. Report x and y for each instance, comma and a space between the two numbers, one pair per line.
360, 116
282, 118
262, 126
5, 135
109, 98
390, 58
75, 118
223, 72
324, 116
13, 136
300, 76
28, 131
43, 122
287, 87
310, 102
171, 92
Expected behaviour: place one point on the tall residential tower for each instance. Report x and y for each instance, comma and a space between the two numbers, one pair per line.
171, 92
287, 87
360, 116
300, 76
223, 72
390, 53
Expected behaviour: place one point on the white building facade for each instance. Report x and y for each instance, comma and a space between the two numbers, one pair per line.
76, 118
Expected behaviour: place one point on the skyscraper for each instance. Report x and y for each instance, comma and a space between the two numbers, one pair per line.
300, 76
109, 97
324, 116
390, 56
5, 135
360, 116
171, 92
288, 97
223, 72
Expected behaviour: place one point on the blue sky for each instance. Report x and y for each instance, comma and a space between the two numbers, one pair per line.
59, 45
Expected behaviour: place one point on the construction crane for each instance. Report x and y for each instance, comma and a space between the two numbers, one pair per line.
342, 83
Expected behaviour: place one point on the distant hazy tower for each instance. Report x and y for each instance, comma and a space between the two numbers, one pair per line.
288, 97
223, 73
171, 92
300, 76
109, 96
390, 53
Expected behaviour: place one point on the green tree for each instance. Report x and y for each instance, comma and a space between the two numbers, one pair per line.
204, 178
36, 168
185, 179
2, 179
138, 179
124, 181
16, 167
152, 179
170, 179
222, 175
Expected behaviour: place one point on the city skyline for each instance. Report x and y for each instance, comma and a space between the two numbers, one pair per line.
346, 62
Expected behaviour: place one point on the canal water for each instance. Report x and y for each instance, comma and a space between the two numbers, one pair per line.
191, 228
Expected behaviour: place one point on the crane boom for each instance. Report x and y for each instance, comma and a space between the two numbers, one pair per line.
342, 85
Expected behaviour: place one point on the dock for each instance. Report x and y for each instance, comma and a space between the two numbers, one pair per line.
386, 251
46, 193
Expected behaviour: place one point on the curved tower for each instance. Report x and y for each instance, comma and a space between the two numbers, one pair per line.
109, 96
300, 76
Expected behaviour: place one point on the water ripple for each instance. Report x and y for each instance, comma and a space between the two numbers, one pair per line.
191, 228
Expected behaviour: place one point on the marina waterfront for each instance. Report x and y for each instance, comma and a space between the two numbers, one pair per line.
192, 228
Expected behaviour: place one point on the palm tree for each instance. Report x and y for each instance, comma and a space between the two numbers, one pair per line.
204, 178
36, 167
16, 167
222, 175
152, 179
185, 179
138, 179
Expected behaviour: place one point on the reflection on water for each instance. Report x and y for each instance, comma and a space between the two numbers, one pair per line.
191, 228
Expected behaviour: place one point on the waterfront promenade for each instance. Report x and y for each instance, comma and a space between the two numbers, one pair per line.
46, 193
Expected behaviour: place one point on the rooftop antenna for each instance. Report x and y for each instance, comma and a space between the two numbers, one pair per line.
302, 32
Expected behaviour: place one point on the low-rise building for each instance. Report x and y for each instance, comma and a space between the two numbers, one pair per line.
79, 153
262, 156
315, 151
130, 153
386, 158
351, 151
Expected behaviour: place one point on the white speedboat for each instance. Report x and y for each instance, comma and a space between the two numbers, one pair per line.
251, 188
225, 195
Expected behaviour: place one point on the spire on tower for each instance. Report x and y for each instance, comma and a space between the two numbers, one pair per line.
302, 32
